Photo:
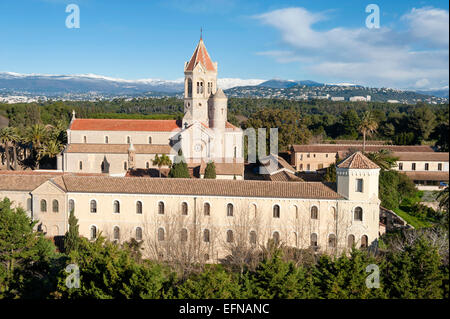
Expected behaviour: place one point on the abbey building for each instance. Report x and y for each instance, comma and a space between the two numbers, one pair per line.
114, 146
193, 218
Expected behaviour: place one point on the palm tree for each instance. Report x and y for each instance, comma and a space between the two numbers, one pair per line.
160, 161
50, 149
5, 142
383, 158
367, 126
36, 134
9, 137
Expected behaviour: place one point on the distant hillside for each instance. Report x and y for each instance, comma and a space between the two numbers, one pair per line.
324, 91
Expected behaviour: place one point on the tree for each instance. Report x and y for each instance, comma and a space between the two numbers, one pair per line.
349, 124
422, 122
179, 168
20, 246
72, 237
414, 272
383, 158
367, 126
121, 276
291, 126
161, 161
210, 171
214, 282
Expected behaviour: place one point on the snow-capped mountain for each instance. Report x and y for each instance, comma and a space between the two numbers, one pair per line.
47, 84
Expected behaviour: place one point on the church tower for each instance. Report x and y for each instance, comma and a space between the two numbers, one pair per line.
199, 84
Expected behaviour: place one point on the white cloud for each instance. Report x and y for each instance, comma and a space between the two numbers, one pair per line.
429, 24
374, 57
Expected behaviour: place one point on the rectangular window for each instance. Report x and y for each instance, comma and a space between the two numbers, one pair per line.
359, 185
400, 166
320, 166
439, 166
413, 166
427, 166
301, 167
308, 167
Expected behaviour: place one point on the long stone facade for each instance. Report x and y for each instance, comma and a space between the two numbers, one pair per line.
211, 216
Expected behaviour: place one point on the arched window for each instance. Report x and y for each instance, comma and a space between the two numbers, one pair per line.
81, 165
93, 206
71, 205
128, 140
364, 241
138, 207
184, 235
102, 167
254, 210
138, 233
295, 210
314, 212
276, 237
230, 209
230, 238
276, 211
206, 209
294, 239
350, 241
184, 208
84, 139
149, 140
161, 208
161, 234
93, 232
189, 87
55, 206
358, 214
116, 208
106, 139
314, 240
235, 152
332, 241
147, 165
116, 232
253, 237
333, 213
43, 205
206, 235
125, 166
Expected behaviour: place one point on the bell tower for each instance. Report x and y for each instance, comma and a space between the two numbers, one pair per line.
200, 82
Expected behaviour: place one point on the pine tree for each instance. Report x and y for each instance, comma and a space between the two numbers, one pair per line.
210, 171
179, 167
72, 237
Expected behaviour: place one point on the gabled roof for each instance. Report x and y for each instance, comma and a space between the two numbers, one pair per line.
200, 56
422, 156
357, 161
118, 148
124, 125
334, 148
206, 187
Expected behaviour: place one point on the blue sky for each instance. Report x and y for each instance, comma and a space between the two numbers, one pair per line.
325, 41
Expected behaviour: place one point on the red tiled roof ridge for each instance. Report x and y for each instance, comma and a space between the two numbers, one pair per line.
357, 161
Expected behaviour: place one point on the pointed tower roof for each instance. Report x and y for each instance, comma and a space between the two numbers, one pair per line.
357, 161
219, 94
200, 56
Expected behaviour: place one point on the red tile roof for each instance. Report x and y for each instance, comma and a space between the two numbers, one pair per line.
334, 148
124, 125
357, 161
118, 148
200, 56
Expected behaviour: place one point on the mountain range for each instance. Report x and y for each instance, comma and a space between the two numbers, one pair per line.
91, 84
